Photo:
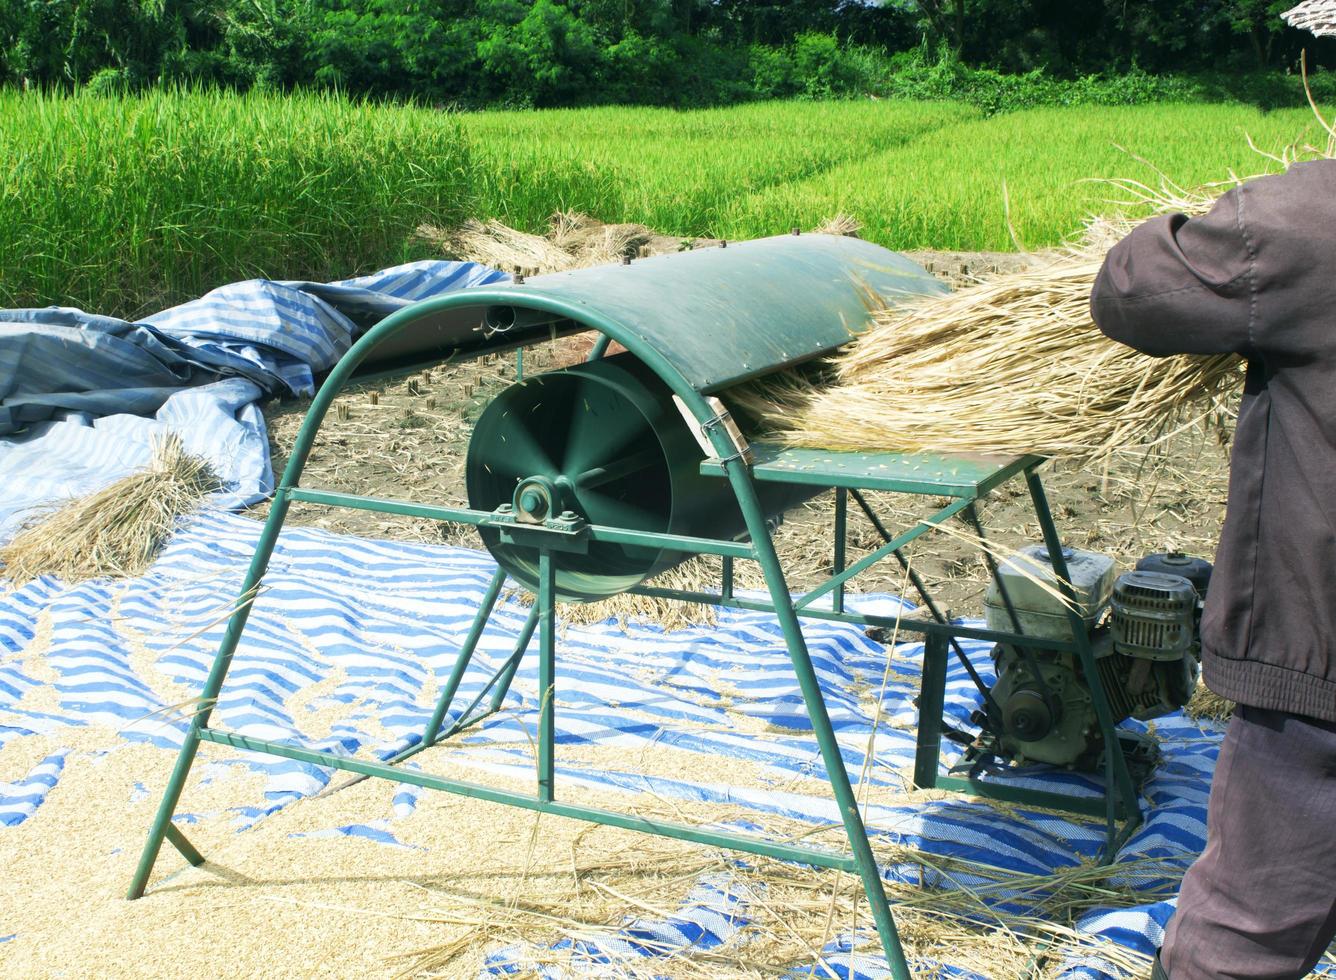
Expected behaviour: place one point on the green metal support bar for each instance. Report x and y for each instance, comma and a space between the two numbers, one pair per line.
860, 619
1118, 780
508, 671
382, 505
547, 645
484, 613
498, 685
815, 702
432, 734
477, 791
1027, 655
931, 701
1131, 821
236, 623
462, 515
466, 719
187, 849
889, 548
841, 543
921, 589
1088, 806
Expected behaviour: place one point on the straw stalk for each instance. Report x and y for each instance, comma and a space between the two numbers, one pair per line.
117, 530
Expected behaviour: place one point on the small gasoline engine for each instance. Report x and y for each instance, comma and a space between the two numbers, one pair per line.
1144, 629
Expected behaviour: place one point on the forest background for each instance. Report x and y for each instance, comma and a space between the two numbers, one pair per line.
996, 54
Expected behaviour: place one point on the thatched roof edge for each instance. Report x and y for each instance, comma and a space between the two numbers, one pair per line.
1316, 16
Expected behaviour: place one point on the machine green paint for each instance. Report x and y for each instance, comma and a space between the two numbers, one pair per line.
585, 483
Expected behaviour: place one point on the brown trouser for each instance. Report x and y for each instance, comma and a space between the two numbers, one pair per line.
1260, 902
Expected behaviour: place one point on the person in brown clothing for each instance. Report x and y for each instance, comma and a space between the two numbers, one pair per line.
1257, 277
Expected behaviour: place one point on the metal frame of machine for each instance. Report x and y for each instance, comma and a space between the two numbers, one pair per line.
551, 309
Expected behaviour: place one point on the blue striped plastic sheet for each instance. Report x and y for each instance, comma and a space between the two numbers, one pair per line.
383, 621
20, 799
82, 396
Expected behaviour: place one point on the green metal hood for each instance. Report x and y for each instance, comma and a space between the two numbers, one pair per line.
719, 316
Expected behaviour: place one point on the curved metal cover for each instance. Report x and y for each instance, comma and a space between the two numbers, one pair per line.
718, 315
724, 315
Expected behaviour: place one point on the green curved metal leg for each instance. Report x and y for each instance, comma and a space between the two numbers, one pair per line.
236, 623
161, 828
820, 718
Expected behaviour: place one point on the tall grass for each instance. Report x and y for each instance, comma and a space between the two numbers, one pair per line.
675, 171
971, 185
126, 204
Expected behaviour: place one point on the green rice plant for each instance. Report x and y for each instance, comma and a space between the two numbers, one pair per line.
676, 171
1021, 180
124, 205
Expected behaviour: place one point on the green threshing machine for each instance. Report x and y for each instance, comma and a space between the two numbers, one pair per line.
586, 482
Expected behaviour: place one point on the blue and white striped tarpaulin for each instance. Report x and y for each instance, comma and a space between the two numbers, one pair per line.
82, 396
382, 623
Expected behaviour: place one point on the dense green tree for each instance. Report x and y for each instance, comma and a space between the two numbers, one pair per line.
1259, 21
674, 52
544, 55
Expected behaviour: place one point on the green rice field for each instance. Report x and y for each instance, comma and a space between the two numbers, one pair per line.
678, 172
125, 204
955, 187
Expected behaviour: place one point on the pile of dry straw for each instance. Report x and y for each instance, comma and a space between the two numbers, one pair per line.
573, 241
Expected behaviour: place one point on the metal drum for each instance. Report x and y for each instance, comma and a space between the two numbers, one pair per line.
603, 442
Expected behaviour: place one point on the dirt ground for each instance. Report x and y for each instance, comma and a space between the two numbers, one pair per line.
407, 438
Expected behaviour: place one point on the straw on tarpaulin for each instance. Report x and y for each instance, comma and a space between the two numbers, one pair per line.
117, 530
1206, 704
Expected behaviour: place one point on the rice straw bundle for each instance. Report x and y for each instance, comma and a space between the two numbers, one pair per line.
117, 530
573, 241
1010, 365
592, 242
839, 225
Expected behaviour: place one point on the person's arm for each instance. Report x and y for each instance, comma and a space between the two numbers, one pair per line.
1179, 285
